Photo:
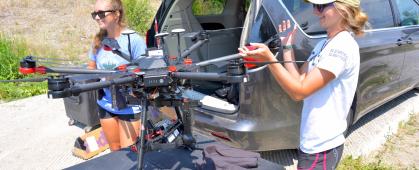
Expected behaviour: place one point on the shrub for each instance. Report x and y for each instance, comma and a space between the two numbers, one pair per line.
139, 14
11, 51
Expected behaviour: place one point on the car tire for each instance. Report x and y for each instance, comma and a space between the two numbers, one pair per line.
349, 121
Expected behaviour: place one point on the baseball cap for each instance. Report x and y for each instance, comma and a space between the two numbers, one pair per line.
354, 3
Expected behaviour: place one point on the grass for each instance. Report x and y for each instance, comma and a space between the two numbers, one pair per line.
380, 161
11, 51
349, 163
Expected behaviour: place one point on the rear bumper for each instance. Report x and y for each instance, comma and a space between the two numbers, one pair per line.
256, 135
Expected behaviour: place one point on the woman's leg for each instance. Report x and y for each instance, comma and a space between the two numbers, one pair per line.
128, 129
110, 127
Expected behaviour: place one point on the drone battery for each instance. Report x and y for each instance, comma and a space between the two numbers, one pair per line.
83, 108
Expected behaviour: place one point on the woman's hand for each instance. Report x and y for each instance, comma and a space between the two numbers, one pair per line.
91, 65
259, 52
289, 39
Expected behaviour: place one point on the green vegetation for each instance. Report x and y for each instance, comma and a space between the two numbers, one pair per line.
394, 143
139, 15
359, 163
203, 7
11, 51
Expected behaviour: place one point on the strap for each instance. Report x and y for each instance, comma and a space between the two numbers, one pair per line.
129, 47
128, 33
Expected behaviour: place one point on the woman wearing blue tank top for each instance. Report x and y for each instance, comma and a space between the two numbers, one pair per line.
326, 81
120, 125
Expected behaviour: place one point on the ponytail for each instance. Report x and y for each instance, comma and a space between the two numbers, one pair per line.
353, 17
97, 40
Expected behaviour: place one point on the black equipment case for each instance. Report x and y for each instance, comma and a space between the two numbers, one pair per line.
83, 108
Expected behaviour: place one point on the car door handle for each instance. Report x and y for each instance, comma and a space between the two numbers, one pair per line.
399, 42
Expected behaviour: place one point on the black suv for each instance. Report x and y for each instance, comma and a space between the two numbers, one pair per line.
263, 116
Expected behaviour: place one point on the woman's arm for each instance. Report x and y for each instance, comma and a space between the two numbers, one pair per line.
288, 53
292, 67
297, 87
301, 88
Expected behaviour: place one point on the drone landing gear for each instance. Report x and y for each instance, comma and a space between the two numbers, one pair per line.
177, 135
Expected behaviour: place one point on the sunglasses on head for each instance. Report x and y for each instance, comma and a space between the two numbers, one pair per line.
101, 14
321, 7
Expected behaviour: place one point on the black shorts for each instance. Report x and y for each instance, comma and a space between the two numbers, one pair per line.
318, 161
103, 114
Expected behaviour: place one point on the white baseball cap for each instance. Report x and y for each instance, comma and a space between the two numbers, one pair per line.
354, 3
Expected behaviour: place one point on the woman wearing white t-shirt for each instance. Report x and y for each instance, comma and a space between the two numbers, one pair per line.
326, 81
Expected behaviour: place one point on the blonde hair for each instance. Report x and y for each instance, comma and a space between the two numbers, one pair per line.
117, 6
353, 17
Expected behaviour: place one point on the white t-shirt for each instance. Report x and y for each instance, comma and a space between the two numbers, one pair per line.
323, 119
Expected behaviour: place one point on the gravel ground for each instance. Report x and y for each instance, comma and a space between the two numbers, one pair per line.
36, 135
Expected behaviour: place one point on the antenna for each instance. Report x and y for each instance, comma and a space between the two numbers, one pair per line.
177, 32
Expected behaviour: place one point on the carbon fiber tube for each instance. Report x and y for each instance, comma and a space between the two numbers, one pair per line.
193, 48
200, 76
225, 58
77, 71
99, 85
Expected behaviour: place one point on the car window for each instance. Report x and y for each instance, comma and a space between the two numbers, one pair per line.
303, 14
262, 28
208, 7
379, 13
408, 12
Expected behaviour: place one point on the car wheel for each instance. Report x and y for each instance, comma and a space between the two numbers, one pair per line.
349, 121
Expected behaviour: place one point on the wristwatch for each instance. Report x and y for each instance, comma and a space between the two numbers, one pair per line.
287, 47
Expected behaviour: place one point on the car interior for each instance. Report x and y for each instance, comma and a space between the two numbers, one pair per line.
222, 21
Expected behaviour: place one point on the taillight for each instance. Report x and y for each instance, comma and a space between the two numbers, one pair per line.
146, 37
220, 135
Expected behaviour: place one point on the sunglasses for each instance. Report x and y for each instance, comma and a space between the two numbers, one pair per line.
101, 14
321, 7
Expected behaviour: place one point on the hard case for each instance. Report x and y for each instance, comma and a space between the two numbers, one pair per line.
83, 108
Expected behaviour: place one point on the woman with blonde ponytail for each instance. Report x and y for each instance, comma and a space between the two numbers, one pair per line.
120, 125
326, 81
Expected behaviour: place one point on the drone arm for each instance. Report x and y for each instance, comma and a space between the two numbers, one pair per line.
193, 47
225, 58
200, 76
210, 77
76, 90
77, 71
100, 85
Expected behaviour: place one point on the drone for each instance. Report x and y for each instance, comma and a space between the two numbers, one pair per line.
153, 80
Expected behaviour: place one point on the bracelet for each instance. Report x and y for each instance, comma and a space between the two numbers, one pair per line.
287, 47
